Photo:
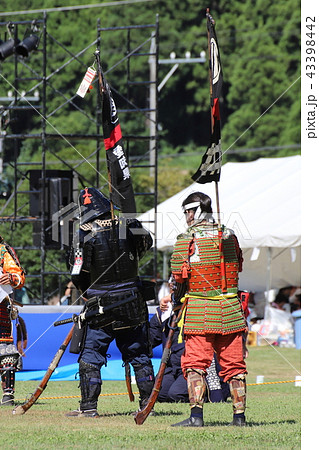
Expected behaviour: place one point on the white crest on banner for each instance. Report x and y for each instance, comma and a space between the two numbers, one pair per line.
214, 61
114, 117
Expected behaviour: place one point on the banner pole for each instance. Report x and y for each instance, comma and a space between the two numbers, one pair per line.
220, 232
102, 89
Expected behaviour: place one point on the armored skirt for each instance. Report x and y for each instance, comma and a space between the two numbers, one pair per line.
217, 316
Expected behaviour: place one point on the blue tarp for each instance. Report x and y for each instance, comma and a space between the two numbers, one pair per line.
113, 371
44, 340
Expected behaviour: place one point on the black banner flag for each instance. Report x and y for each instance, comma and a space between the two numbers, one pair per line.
121, 189
210, 167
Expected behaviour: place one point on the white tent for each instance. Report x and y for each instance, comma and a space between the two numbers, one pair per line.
260, 201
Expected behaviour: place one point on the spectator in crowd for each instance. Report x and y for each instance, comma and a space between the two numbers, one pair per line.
174, 386
280, 302
72, 295
296, 304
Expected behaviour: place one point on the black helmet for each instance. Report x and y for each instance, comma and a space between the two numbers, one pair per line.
92, 204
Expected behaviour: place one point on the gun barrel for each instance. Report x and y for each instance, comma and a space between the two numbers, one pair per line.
63, 322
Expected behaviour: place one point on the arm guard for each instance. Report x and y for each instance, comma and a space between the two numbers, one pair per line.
12, 266
142, 238
22, 336
179, 290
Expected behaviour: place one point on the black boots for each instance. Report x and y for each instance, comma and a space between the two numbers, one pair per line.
196, 390
190, 422
90, 384
238, 421
196, 386
85, 413
195, 420
7, 399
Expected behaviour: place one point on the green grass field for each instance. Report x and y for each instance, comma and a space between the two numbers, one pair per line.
273, 415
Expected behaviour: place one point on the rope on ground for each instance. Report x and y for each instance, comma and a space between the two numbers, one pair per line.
272, 382
137, 393
78, 396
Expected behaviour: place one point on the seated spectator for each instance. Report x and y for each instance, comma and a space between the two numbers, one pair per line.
296, 304
54, 301
174, 385
72, 295
289, 293
280, 302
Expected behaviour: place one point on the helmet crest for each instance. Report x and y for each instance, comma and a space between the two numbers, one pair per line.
86, 197
92, 204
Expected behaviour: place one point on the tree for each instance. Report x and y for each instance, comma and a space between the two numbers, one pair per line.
260, 107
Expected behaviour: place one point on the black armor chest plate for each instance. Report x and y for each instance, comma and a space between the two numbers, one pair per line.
112, 259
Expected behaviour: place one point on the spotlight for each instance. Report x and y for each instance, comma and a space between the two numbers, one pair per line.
28, 44
7, 48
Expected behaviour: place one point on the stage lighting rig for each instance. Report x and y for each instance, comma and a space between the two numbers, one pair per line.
7, 48
30, 41
22, 48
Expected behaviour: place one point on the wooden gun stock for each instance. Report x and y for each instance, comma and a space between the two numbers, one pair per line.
129, 381
142, 415
21, 409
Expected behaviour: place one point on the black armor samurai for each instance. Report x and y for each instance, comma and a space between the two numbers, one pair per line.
104, 267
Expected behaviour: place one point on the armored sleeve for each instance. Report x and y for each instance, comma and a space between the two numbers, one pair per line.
11, 266
142, 238
228, 233
239, 254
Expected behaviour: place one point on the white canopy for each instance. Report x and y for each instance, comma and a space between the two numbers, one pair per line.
260, 201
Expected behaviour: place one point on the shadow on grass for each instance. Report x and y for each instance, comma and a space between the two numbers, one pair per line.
131, 413
37, 402
251, 423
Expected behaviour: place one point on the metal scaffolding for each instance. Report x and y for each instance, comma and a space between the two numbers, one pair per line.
44, 182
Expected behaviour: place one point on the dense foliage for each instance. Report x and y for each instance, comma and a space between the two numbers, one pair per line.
259, 42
